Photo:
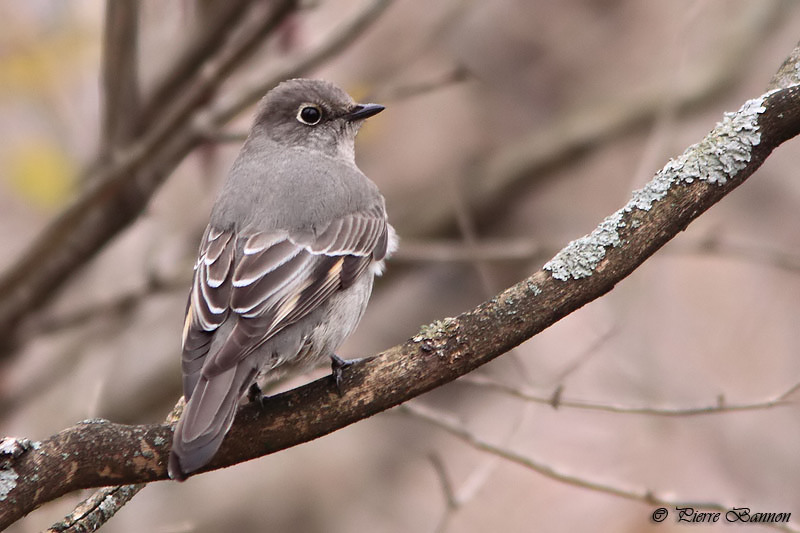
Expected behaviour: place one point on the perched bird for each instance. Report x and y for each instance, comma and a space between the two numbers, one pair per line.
286, 264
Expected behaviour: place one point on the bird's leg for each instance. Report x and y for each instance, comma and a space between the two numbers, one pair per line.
255, 394
337, 367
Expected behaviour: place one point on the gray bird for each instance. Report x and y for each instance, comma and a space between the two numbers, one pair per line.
286, 263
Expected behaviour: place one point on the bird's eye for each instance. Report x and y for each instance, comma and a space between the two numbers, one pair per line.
309, 114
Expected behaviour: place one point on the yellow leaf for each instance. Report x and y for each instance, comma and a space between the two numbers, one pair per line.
41, 173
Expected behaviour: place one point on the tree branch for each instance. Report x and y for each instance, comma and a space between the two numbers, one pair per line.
103, 504
120, 74
100, 453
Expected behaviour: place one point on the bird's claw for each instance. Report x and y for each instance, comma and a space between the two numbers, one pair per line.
254, 394
337, 367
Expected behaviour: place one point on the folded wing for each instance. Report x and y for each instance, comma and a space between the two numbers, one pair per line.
261, 282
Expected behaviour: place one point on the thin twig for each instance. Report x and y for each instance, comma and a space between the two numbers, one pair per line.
113, 199
583, 357
444, 479
720, 407
532, 157
774, 258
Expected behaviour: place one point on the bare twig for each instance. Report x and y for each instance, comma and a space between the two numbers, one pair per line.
475, 481
581, 359
643, 495
447, 485
721, 406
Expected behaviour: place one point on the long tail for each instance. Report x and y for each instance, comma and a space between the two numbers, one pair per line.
206, 419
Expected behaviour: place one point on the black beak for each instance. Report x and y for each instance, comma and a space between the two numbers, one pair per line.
362, 111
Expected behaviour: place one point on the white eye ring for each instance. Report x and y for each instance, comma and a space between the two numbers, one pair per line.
309, 114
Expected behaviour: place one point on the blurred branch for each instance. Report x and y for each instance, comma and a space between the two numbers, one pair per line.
213, 29
556, 401
397, 93
779, 259
646, 496
114, 198
334, 43
119, 304
461, 252
391, 94
475, 481
119, 190
117, 307
581, 359
447, 485
99, 453
120, 74
581, 131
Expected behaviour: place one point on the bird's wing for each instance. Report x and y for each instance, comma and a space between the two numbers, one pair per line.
274, 280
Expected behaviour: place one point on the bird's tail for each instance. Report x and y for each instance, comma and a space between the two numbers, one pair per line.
206, 419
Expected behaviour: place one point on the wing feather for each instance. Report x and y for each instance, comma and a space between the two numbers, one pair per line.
267, 281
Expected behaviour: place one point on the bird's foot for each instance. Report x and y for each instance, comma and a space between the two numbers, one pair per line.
254, 394
337, 370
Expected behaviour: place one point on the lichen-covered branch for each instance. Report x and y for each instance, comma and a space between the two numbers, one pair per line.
104, 503
100, 453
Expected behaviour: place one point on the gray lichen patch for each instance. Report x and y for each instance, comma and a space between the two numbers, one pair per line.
580, 257
10, 449
534, 288
720, 156
108, 507
8, 480
436, 329
13, 447
95, 421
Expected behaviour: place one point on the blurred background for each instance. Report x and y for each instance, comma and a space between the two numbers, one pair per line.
511, 128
